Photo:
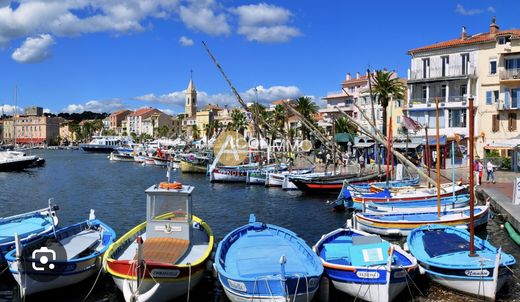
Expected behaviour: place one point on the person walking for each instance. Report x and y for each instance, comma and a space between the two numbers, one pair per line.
490, 169
361, 160
479, 169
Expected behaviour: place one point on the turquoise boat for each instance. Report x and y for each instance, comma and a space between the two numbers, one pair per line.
264, 262
28, 226
416, 206
443, 255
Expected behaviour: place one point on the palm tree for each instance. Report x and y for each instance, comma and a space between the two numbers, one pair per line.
306, 107
280, 117
195, 132
343, 125
163, 131
238, 120
386, 86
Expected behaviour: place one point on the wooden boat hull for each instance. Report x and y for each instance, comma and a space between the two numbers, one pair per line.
370, 283
120, 157
256, 177
332, 186
371, 223
161, 281
258, 276
187, 167
417, 206
452, 267
65, 272
228, 175
358, 200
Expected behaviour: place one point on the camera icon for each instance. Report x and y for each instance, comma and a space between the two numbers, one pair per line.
43, 255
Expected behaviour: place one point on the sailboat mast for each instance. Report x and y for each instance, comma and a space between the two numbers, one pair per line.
471, 178
438, 160
14, 113
389, 141
376, 147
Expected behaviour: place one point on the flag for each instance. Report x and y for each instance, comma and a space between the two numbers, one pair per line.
411, 124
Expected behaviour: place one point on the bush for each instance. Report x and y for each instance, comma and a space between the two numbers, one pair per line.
506, 163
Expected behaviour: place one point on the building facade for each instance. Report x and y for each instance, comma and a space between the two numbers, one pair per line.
146, 121
32, 128
116, 120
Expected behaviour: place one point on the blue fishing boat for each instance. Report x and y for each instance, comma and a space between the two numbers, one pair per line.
365, 187
364, 265
400, 224
416, 206
264, 262
443, 255
29, 226
63, 257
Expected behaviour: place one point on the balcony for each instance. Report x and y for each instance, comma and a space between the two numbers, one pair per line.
509, 74
502, 105
442, 100
435, 73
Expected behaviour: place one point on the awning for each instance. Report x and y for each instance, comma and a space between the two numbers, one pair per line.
344, 137
503, 144
401, 145
363, 145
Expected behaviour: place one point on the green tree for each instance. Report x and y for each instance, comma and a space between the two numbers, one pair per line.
343, 125
97, 125
238, 121
134, 136
164, 131
386, 86
307, 108
195, 132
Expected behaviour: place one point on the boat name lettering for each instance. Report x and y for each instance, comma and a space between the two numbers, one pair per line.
368, 275
164, 273
237, 285
477, 273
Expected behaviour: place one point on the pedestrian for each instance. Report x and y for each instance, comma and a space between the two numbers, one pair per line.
361, 161
328, 161
479, 169
490, 168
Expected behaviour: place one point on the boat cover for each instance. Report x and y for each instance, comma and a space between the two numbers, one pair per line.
438, 243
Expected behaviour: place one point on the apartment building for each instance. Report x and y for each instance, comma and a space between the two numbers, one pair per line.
32, 128
116, 119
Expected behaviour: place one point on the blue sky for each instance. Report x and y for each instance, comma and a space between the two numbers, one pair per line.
104, 55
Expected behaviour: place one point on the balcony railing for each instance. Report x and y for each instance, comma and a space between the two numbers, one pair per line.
509, 105
442, 99
510, 74
437, 72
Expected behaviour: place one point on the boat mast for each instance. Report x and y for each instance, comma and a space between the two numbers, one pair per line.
14, 113
453, 168
388, 153
438, 159
376, 147
471, 178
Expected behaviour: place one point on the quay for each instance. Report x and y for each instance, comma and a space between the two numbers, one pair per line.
500, 195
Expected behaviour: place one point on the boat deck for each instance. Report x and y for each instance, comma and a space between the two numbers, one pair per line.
258, 254
23, 227
167, 250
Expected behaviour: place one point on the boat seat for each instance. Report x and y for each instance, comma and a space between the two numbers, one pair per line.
77, 244
334, 251
23, 227
362, 240
166, 250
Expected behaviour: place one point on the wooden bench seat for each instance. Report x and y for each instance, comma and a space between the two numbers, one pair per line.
166, 250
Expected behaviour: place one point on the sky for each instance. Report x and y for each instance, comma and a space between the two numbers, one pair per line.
105, 55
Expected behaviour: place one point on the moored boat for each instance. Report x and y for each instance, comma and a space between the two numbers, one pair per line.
16, 161
192, 163
277, 179
231, 173
72, 254
103, 144
116, 156
165, 256
417, 206
401, 224
264, 262
444, 256
366, 187
28, 226
364, 265
331, 184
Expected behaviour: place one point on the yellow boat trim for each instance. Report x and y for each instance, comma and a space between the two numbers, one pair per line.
142, 225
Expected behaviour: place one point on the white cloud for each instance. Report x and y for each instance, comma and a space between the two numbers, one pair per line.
34, 50
265, 23
474, 11
202, 16
47, 110
95, 106
176, 99
185, 41
9, 109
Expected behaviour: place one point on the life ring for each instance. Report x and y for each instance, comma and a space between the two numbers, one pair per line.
170, 185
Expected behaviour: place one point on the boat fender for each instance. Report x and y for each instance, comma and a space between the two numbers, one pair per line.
349, 223
421, 270
137, 297
214, 272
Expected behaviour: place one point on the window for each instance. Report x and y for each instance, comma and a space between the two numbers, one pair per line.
511, 119
443, 91
512, 64
504, 40
496, 123
463, 89
465, 63
445, 62
493, 67
426, 66
489, 97
515, 94
424, 92
457, 118
432, 119
496, 95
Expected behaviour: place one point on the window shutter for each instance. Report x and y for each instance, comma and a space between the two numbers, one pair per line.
488, 98
506, 98
512, 122
495, 123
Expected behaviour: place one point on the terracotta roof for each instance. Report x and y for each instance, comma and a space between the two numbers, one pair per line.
279, 102
118, 112
470, 40
212, 107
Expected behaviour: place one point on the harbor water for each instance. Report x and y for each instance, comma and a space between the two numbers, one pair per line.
80, 181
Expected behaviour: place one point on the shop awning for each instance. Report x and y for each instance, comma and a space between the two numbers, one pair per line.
344, 137
363, 145
504, 145
401, 145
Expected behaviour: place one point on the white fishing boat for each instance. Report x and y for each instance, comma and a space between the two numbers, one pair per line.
16, 161
165, 256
